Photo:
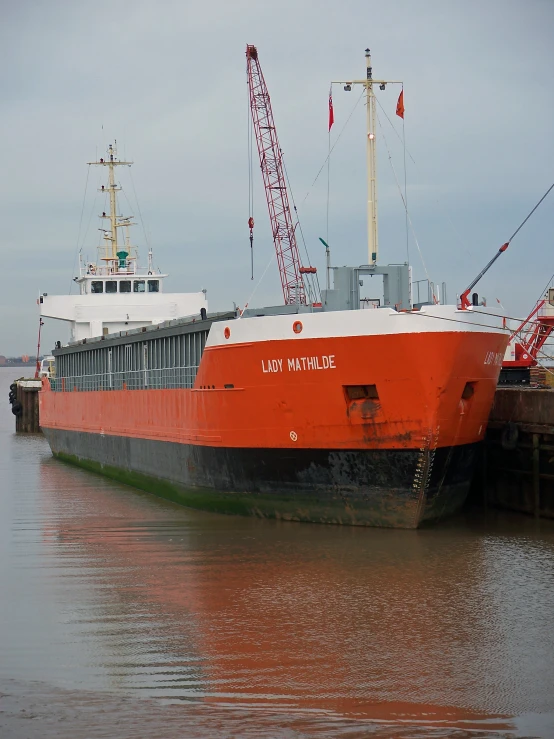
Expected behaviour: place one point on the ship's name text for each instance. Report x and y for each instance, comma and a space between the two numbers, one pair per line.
299, 364
494, 358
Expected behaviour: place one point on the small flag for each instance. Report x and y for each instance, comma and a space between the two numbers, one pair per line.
331, 114
400, 105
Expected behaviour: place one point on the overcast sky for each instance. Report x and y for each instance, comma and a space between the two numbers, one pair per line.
167, 80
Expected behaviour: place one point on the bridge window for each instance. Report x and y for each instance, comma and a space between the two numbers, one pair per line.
153, 286
111, 286
138, 286
125, 286
97, 286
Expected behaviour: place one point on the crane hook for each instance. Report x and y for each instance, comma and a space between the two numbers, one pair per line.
251, 227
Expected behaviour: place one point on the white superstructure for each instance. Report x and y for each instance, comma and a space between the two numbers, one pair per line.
115, 294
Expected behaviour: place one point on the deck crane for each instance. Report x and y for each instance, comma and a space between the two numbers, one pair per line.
525, 347
527, 340
271, 163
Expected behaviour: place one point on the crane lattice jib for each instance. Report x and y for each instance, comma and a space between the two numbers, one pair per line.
532, 334
271, 163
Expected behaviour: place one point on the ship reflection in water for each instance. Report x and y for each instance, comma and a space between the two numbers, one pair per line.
114, 600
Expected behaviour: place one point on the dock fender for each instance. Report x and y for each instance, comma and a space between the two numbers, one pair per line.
510, 436
17, 408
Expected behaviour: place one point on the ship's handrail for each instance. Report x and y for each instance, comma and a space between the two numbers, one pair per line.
96, 270
142, 379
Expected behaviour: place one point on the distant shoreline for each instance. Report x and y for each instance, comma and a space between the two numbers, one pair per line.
30, 365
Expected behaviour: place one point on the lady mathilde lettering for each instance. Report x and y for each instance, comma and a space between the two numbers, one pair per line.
299, 364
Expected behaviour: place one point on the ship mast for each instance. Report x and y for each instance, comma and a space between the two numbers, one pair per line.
372, 234
114, 253
371, 156
113, 200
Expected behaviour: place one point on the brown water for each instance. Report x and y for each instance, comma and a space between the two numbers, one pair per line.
124, 615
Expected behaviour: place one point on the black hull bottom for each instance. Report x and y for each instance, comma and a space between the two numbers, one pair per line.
397, 488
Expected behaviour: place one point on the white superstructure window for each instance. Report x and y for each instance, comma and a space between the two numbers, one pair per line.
97, 286
111, 286
125, 286
153, 286
138, 286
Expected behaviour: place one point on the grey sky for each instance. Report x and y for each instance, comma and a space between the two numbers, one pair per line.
167, 79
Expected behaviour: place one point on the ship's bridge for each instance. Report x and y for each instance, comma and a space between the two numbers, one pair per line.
95, 283
116, 294
109, 302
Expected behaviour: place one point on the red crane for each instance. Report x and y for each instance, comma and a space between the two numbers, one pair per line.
527, 341
271, 163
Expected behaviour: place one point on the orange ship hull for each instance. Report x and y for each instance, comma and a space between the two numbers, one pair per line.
377, 429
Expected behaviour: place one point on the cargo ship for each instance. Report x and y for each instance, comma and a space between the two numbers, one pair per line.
319, 410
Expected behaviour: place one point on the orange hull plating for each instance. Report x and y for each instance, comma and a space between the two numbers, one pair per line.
286, 394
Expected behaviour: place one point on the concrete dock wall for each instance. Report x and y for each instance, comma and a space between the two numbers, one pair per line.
518, 460
24, 401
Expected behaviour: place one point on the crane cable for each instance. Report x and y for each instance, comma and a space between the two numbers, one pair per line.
250, 136
518, 229
241, 310
463, 296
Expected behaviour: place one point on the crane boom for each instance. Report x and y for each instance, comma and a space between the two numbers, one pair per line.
271, 163
530, 336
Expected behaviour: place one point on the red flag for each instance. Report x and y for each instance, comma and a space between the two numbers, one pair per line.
331, 114
400, 105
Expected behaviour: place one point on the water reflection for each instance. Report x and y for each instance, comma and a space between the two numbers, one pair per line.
115, 598
376, 624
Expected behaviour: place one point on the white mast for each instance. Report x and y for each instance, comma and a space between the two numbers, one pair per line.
113, 253
372, 236
371, 155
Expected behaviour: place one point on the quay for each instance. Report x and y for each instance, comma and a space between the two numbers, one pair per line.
517, 470
23, 398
